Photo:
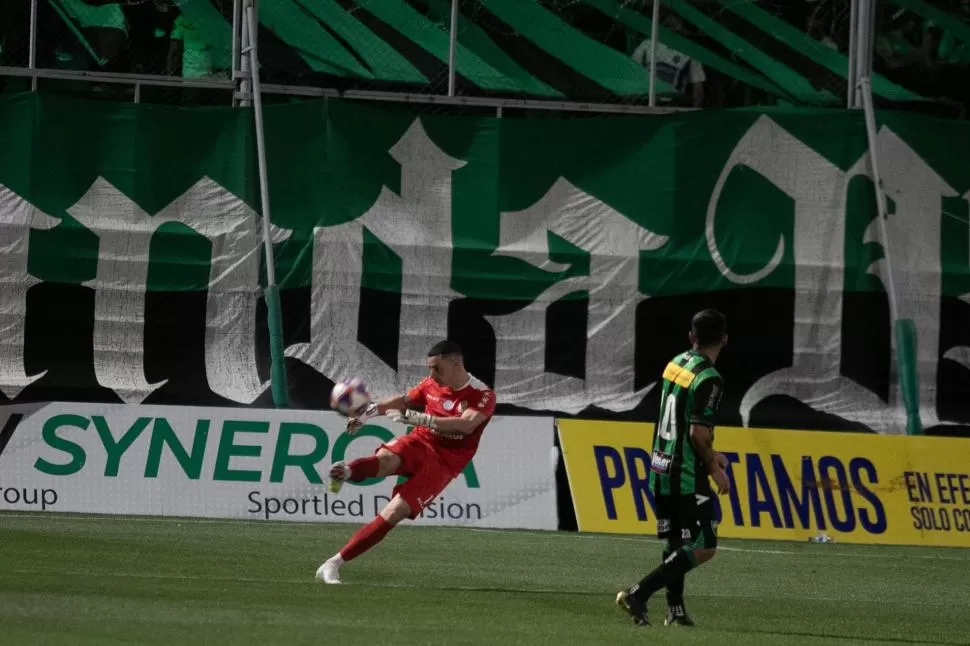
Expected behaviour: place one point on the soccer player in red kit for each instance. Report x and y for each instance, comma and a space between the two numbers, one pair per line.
457, 407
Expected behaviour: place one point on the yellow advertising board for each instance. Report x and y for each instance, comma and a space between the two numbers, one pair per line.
785, 485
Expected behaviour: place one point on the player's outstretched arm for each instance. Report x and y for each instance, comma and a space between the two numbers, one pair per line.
397, 402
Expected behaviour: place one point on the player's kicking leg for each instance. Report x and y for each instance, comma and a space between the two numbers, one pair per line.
381, 464
428, 477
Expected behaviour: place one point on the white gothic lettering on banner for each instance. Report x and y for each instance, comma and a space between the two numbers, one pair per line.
17, 218
124, 233
820, 191
417, 226
614, 243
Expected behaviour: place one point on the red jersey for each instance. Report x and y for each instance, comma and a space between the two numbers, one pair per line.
442, 401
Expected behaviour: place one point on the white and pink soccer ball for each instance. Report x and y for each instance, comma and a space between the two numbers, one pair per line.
350, 397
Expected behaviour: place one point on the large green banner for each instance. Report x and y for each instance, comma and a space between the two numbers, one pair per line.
565, 255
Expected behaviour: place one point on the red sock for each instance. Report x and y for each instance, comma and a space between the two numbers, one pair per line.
366, 537
364, 468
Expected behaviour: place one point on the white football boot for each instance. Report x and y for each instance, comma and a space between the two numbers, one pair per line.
329, 572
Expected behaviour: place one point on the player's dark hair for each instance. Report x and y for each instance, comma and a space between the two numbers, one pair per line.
444, 348
709, 328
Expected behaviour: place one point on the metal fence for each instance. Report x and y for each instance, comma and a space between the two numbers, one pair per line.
609, 56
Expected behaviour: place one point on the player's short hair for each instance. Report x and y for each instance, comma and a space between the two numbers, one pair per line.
444, 348
709, 328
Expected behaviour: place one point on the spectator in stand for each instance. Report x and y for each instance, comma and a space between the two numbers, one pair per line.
189, 55
951, 48
150, 23
677, 69
104, 25
910, 51
901, 41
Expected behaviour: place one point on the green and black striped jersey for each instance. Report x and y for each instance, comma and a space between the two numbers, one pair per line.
691, 393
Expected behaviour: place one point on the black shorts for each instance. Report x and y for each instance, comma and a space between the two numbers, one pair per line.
688, 518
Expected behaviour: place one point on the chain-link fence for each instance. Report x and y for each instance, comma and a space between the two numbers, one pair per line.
560, 54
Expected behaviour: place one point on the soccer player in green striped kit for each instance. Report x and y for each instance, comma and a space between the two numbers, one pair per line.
683, 458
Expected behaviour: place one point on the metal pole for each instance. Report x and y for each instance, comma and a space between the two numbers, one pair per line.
904, 332
452, 47
853, 44
137, 92
654, 36
865, 89
260, 141
246, 49
236, 28
32, 56
273, 308
864, 45
871, 38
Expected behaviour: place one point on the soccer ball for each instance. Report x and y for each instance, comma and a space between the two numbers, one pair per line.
350, 397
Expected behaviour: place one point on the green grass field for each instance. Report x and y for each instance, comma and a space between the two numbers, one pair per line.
95, 580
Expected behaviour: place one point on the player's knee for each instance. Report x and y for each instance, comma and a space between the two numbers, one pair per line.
396, 511
704, 555
388, 463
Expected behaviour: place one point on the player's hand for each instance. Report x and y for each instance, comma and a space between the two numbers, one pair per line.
411, 418
722, 461
354, 423
721, 479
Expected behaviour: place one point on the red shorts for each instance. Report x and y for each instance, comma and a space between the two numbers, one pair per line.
428, 473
